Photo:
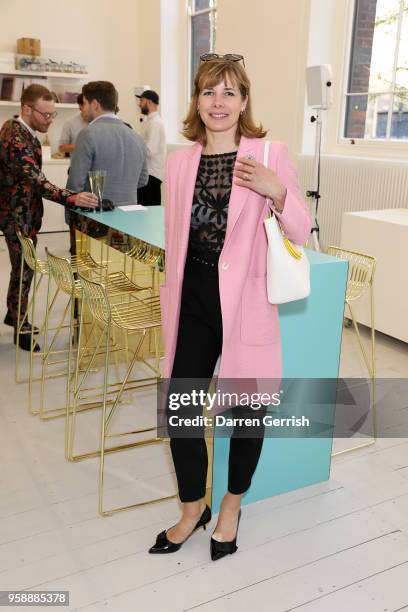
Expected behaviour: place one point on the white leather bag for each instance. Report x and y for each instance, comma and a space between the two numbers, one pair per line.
288, 269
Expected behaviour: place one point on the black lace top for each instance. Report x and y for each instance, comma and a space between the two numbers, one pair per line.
210, 205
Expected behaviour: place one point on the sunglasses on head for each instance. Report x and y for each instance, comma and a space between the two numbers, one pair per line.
229, 57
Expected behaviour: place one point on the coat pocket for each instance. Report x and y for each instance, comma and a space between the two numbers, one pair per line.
259, 318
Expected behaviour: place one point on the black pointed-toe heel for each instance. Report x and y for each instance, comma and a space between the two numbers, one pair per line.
221, 549
164, 546
24, 342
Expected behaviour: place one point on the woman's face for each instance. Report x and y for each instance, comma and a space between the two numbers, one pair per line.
220, 106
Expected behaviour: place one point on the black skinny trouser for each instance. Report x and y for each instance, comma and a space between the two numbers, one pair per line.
198, 347
15, 253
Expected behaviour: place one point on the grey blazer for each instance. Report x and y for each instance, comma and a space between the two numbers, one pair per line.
108, 144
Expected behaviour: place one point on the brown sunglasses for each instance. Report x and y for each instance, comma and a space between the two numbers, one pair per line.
230, 57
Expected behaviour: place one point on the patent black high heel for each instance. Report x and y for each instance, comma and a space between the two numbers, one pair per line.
164, 546
221, 549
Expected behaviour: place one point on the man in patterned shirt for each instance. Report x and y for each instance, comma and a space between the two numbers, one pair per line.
22, 187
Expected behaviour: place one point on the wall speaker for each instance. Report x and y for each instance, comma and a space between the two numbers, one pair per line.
319, 86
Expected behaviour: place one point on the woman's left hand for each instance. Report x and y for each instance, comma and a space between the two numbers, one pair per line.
250, 173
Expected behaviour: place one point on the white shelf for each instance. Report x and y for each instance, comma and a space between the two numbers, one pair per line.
57, 105
54, 75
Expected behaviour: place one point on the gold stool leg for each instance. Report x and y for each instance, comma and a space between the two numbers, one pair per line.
72, 411
17, 331
370, 363
375, 431
45, 350
32, 344
54, 412
106, 419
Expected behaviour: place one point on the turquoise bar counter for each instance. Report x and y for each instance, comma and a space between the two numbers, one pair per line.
311, 332
146, 225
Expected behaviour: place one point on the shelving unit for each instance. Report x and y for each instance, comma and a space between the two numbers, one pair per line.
34, 74
43, 75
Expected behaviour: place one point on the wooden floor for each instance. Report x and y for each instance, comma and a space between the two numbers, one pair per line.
338, 546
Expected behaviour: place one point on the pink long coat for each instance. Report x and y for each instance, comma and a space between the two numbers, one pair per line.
251, 338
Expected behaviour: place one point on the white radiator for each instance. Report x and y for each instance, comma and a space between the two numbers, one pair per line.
353, 184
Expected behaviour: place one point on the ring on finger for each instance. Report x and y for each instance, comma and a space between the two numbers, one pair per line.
247, 177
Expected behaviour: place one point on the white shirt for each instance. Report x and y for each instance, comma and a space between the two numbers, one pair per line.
71, 129
155, 140
32, 132
103, 116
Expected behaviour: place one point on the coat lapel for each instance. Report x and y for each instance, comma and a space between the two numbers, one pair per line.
187, 180
239, 195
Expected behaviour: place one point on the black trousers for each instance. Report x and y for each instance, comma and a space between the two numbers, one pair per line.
199, 344
14, 249
150, 194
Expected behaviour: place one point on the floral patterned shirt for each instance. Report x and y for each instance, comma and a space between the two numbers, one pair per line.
22, 182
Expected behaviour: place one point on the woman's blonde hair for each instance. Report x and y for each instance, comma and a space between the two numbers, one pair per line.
209, 74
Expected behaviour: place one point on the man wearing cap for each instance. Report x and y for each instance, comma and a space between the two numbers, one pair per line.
155, 141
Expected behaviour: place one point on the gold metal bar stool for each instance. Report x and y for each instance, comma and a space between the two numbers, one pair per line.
360, 280
135, 316
41, 269
82, 354
63, 273
147, 254
152, 258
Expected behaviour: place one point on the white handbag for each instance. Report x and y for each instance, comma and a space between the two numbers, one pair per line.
287, 266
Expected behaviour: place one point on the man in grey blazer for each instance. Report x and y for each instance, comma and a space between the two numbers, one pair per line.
107, 143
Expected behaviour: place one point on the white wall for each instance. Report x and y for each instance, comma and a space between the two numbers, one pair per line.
149, 43
320, 51
272, 36
174, 65
276, 64
103, 34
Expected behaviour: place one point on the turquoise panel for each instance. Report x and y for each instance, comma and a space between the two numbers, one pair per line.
147, 225
311, 342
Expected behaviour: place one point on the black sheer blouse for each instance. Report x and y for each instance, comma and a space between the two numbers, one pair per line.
210, 206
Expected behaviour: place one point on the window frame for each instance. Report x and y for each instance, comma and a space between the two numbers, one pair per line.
212, 9
364, 143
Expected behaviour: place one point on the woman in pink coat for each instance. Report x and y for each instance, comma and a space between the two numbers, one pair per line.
214, 301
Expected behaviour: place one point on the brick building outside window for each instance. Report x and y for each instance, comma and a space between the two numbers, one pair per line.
377, 92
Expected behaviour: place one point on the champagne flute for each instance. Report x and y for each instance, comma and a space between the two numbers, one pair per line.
97, 183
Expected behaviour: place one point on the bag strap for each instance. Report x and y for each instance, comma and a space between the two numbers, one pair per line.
267, 145
287, 243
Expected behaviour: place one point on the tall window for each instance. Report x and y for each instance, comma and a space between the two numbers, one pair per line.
377, 93
202, 31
